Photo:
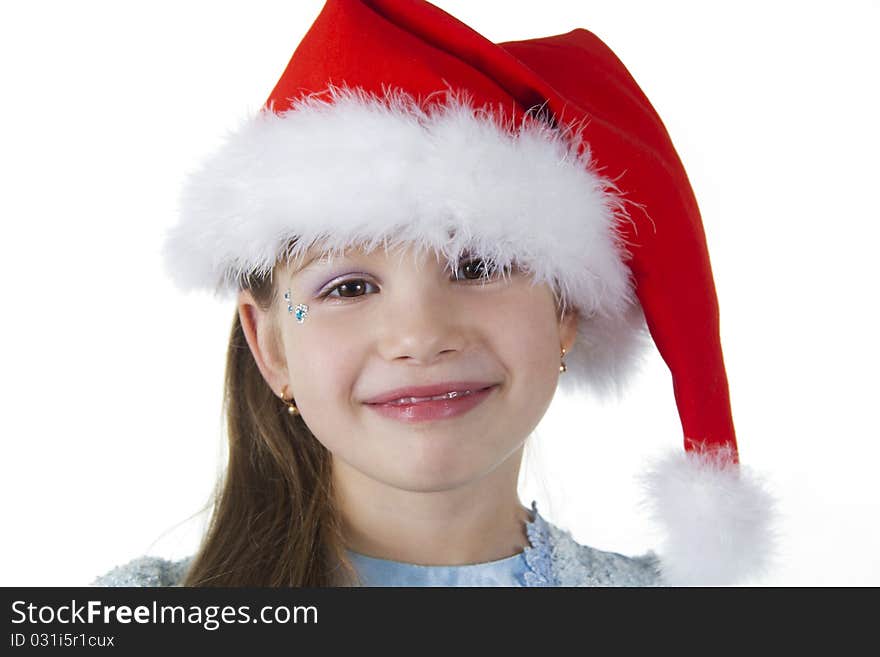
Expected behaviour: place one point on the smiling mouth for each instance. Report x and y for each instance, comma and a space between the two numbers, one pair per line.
449, 405
408, 401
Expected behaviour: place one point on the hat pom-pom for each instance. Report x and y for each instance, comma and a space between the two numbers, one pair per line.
717, 517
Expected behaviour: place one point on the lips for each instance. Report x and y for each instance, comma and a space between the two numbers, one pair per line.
431, 410
424, 394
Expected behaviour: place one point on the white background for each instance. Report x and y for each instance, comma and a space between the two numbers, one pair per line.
112, 379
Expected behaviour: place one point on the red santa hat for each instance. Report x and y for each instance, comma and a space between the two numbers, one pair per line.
396, 123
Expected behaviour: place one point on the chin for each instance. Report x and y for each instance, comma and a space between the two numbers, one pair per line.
437, 486
425, 477
450, 474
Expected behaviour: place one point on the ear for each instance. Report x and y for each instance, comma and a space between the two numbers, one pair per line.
568, 325
260, 332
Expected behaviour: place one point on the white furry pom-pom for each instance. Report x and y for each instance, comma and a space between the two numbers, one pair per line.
717, 517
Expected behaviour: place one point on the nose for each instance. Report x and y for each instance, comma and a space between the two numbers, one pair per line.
422, 323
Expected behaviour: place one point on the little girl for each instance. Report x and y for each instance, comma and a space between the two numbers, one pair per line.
426, 233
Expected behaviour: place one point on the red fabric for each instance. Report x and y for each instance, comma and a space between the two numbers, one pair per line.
410, 44
670, 261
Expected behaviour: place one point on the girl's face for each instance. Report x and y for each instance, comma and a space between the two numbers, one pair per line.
383, 321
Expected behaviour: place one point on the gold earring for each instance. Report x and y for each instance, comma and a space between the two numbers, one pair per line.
291, 408
562, 367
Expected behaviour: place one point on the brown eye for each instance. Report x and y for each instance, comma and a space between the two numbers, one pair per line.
475, 269
353, 287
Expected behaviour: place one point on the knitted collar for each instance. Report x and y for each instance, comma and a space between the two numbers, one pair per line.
539, 553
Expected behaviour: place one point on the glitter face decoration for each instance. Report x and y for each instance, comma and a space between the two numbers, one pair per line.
300, 311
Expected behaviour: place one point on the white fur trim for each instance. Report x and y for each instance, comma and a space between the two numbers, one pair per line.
359, 170
717, 516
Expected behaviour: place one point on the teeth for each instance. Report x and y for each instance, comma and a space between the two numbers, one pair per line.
415, 400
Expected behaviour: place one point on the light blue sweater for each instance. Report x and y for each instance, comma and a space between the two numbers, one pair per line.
553, 558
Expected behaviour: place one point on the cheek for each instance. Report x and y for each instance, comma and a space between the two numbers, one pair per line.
530, 340
323, 362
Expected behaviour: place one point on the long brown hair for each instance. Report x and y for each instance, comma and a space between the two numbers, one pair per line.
274, 521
